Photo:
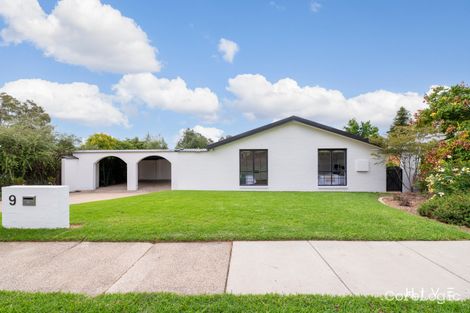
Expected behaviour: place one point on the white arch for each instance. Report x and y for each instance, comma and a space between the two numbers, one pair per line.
96, 169
160, 170
79, 172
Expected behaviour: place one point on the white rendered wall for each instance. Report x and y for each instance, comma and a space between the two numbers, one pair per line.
292, 163
50, 211
69, 173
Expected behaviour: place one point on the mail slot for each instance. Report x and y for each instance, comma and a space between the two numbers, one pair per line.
29, 201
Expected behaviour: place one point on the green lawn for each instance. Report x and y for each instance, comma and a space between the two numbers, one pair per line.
57, 302
215, 215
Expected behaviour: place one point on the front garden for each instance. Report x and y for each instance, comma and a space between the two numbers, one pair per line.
233, 215
433, 150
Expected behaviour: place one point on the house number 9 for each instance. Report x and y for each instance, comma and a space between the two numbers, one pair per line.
12, 199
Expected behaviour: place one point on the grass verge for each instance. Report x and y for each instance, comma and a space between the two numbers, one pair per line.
160, 302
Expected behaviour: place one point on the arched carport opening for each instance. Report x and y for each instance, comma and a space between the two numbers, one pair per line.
111, 171
154, 173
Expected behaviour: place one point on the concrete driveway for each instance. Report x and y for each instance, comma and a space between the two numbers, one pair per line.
116, 191
431, 270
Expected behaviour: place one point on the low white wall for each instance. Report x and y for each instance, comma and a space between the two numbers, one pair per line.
50, 210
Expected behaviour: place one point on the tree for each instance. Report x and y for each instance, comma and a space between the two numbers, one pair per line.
101, 141
402, 118
364, 129
409, 146
224, 137
30, 150
192, 140
154, 142
448, 109
130, 144
28, 114
448, 113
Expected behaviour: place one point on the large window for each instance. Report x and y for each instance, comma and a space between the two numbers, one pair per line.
253, 167
332, 167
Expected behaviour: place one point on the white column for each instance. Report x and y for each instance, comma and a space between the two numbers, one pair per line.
132, 176
96, 175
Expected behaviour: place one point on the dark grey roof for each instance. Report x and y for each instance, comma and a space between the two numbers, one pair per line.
284, 121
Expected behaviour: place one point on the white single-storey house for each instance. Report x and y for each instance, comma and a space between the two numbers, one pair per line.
290, 154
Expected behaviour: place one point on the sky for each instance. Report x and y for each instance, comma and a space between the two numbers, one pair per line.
128, 68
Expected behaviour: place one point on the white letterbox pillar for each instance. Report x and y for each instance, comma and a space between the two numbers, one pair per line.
35, 207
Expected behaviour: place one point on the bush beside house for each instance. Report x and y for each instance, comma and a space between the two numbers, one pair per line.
452, 209
30, 148
445, 170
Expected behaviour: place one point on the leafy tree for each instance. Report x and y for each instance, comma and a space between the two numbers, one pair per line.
448, 111
66, 144
224, 137
29, 114
101, 141
402, 118
408, 145
363, 129
30, 150
130, 144
192, 140
154, 142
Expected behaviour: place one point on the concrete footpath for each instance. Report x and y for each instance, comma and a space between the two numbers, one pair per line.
394, 269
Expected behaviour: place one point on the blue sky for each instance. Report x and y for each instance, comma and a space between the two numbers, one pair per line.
344, 59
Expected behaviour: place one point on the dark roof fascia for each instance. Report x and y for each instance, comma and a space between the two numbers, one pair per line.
287, 120
70, 157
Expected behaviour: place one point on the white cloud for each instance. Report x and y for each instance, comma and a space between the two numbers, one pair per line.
315, 6
228, 49
256, 97
167, 94
432, 87
80, 102
80, 32
209, 132
277, 6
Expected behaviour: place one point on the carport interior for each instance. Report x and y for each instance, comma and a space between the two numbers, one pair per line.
111, 171
154, 170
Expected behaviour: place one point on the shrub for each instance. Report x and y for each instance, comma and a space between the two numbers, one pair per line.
452, 209
403, 199
449, 178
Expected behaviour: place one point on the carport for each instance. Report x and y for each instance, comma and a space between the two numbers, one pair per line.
154, 171
133, 170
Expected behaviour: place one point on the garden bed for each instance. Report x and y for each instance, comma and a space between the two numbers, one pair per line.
415, 200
